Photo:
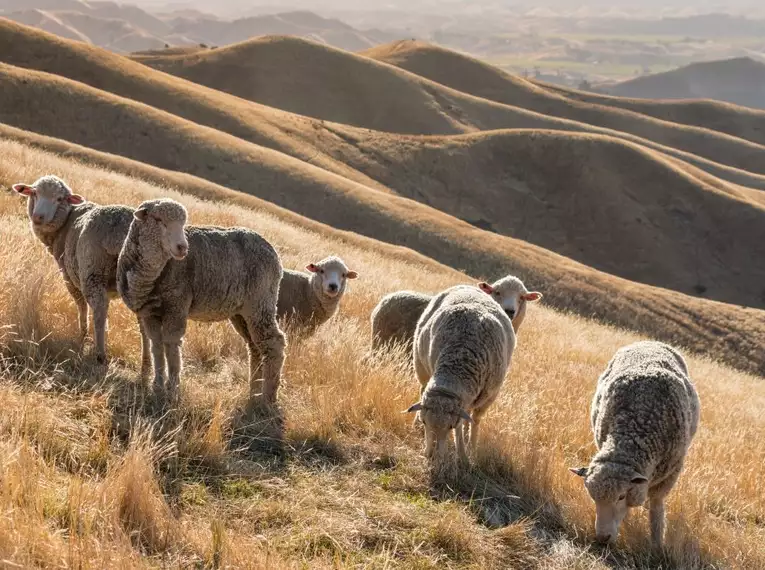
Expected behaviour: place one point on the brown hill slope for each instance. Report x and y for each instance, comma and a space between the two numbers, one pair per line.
609, 204
739, 80
62, 108
736, 120
417, 101
470, 75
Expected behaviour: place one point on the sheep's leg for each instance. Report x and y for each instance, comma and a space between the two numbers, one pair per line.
459, 442
656, 496
98, 300
145, 352
153, 328
656, 516
240, 326
271, 342
430, 441
475, 428
423, 376
173, 331
82, 310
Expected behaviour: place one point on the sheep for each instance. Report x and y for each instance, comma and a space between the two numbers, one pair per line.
644, 415
85, 240
308, 300
169, 272
463, 345
395, 317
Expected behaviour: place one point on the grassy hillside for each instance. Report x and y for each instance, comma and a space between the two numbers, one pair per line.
419, 106
589, 198
93, 477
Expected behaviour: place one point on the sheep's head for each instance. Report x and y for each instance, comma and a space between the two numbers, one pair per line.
330, 276
49, 201
510, 293
162, 226
615, 488
440, 411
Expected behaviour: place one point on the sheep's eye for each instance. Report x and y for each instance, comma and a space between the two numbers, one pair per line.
622, 497
321, 271
60, 198
496, 293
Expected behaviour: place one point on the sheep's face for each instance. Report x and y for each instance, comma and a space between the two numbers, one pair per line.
330, 276
440, 414
510, 293
49, 202
164, 223
614, 488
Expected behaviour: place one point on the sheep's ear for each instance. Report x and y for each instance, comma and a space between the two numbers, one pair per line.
413, 408
531, 297
485, 287
352, 275
76, 199
24, 189
141, 214
580, 471
312, 267
638, 480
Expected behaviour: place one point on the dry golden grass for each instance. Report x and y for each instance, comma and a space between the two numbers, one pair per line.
91, 476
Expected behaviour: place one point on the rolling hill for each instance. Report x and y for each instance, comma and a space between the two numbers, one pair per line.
470, 75
358, 91
739, 80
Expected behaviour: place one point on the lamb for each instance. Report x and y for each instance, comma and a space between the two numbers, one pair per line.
169, 272
308, 300
463, 345
85, 240
395, 317
644, 415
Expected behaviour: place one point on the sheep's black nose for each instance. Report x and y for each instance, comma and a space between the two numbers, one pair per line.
511, 314
333, 287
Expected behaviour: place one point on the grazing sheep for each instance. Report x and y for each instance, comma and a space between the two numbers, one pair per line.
85, 240
308, 300
168, 273
644, 415
395, 317
462, 349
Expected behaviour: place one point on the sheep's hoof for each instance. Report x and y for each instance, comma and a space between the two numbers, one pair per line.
101, 359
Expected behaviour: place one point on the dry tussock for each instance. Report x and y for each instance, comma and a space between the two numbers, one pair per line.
92, 476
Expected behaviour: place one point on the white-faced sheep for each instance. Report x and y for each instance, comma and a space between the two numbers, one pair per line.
308, 300
462, 349
85, 240
644, 415
395, 317
169, 272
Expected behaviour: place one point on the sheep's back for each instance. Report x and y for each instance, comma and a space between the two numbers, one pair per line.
395, 317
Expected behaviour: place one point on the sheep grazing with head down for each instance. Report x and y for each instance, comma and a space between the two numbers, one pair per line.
395, 317
85, 240
308, 300
462, 350
644, 415
169, 272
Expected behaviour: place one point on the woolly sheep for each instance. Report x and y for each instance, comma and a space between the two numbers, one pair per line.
395, 317
85, 240
308, 300
644, 415
462, 349
169, 272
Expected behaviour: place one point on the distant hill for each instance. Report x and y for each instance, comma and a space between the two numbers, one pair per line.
125, 28
739, 80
